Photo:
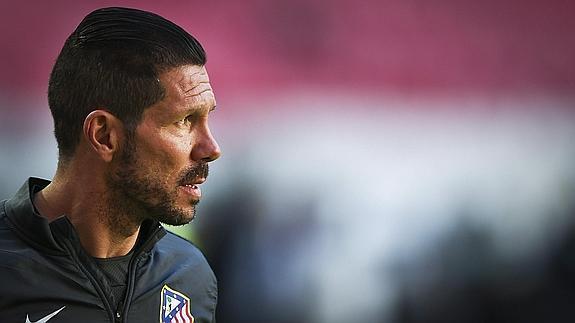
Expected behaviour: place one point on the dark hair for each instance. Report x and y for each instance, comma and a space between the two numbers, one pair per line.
112, 61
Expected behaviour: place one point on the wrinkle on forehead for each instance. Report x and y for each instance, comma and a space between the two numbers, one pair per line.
194, 86
194, 83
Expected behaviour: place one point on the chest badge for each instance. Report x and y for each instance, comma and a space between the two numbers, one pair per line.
175, 307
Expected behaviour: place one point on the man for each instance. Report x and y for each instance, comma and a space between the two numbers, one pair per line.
130, 98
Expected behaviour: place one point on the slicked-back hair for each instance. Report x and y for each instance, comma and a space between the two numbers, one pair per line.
113, 61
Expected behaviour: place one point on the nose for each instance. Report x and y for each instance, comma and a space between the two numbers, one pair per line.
207, 148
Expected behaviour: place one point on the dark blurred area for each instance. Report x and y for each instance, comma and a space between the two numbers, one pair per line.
383, 161
464, 278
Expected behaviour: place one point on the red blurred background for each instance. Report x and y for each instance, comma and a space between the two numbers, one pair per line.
406, 46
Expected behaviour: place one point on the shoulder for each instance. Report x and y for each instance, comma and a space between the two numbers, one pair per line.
173, 243
11, 247
179, 266
183, 253
17, 258
185, 268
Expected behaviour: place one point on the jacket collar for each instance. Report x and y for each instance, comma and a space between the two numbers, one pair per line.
44, 235
26, 222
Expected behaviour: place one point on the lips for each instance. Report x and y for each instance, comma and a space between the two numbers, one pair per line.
192, 189
192, 179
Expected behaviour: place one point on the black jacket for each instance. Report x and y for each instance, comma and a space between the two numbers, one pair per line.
43, 268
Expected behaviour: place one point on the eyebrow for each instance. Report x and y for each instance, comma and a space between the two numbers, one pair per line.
198, 110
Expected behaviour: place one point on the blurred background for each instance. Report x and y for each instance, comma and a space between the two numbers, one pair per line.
383, 160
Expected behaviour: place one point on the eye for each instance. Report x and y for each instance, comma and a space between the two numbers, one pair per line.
188, 120
192, 119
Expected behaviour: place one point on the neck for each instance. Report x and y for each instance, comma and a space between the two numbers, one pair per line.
103, 228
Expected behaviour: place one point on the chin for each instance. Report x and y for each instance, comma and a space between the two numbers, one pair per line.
179, 216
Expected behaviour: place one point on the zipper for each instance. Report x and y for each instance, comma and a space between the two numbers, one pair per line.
92, 279
123, 308
118, 316
122, 313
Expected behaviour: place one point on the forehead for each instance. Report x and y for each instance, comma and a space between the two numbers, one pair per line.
189, 79
186, 88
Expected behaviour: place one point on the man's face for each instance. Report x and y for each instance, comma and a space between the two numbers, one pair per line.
159, 171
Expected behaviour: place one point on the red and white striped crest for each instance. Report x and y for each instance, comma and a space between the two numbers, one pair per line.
175, 307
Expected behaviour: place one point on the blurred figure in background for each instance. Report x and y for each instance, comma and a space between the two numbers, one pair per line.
411, 224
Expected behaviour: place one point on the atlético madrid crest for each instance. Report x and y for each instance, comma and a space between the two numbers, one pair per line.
175, 307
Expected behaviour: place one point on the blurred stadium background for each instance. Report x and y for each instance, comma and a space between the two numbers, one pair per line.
383, 160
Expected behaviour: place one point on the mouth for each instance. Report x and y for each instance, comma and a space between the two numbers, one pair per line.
193, 188
192, 179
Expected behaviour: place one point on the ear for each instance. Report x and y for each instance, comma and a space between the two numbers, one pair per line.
102, 131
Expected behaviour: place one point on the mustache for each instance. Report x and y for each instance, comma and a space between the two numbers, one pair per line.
195, 172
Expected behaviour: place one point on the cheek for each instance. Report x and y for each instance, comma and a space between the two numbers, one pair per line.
169, 155
166, 150
178, 144
176, 155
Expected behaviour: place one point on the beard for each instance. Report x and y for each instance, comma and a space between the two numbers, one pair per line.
139, 192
